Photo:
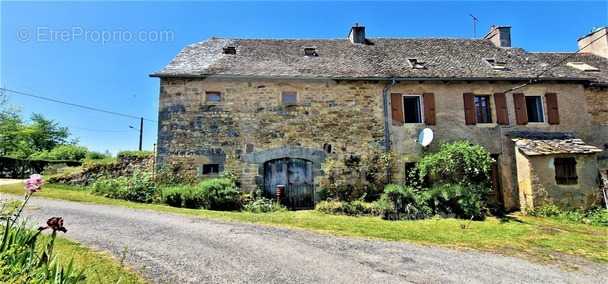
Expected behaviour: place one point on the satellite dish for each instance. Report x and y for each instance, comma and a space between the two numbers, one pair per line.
426, 137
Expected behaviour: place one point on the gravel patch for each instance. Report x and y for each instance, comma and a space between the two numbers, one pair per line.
173, 247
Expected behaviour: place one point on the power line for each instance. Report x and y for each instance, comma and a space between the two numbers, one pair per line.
537, 77
98, 130
75, 105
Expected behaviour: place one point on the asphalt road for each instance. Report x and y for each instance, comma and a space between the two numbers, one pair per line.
180, 249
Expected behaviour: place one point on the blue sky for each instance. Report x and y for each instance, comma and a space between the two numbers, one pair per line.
99, 54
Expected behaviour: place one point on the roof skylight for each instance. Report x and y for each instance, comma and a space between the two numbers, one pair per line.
583, 66
230, 49
496, 65
310, 51
416, 64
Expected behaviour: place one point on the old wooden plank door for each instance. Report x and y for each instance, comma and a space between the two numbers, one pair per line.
296, 175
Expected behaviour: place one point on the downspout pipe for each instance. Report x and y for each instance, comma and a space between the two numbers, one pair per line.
387, 132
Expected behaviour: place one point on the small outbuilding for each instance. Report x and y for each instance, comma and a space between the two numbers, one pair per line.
555, 168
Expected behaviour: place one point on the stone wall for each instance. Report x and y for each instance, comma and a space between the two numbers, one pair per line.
251, 119
597, 134
450, 118
538, 187
124, 166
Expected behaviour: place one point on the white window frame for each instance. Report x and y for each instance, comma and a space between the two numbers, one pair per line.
420, 109
542, 109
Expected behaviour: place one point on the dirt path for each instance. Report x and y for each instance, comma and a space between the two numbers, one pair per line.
184, 249
9, 181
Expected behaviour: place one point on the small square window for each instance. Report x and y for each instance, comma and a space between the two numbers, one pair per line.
289, 98
412, 109
310, 51
534, 108
482, 109
565, 171
213, 97
211, 169
496, 65
230, 50
416, 64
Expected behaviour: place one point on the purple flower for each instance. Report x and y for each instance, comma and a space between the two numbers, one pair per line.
55, 223
34, 183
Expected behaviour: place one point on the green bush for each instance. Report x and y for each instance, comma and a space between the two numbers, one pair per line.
597, 216
173, 195
62, 153
115, 188
355, 208
457, 200
141, 188
263, 205
457, 163
218, 194
359, 176
170, 175
546, 211
403, 202
135, 153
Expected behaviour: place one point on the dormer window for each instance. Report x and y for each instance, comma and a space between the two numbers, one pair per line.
230, 49
496, 65
416, 64
310, 51
583, 66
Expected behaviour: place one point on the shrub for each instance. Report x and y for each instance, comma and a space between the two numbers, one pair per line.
457, 163
457, 200
403, 201
183, 196
93, 155
135, 153
170, 175
110, 187
141, 188
62, 153
263, 205
359, 176
218, 194
173, 196
355, 208
597, 216
546, 211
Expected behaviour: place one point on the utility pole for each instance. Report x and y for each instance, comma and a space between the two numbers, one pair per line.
475, 20
141, 131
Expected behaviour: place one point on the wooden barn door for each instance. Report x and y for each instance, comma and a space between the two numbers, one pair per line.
296, 175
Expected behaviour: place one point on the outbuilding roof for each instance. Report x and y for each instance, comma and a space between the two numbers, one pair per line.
434, 59
550, 143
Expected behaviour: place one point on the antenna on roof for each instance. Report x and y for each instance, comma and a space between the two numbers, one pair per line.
475, 20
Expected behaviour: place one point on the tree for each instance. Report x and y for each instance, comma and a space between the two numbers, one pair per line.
46, 134
21, 140
11, 127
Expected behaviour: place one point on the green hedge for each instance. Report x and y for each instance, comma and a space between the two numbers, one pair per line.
20, 168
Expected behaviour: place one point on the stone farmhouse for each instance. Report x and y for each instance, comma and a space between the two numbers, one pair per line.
273, 110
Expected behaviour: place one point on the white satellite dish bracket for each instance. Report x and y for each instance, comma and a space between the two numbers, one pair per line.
426, 137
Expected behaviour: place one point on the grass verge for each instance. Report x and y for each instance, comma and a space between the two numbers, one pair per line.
538, 239
99, 267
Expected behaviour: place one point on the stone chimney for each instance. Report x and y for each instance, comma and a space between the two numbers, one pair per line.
594, 43
357, 34
500, 36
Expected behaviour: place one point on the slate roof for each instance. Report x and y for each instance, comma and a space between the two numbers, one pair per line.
562, 58
550, 143
444, 58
